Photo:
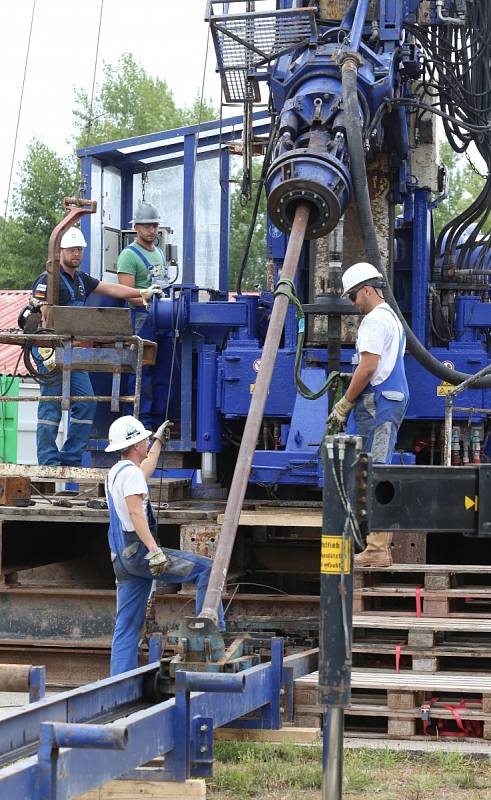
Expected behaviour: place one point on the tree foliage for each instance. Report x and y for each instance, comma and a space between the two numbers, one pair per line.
44, 179
128, 102
464, 186
240, 217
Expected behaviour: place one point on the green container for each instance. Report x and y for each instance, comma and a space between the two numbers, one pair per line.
9, 414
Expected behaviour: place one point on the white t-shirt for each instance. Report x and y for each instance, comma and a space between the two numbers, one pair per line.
380, 333
130, 481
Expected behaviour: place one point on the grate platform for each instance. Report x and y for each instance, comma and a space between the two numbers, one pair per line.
246, 41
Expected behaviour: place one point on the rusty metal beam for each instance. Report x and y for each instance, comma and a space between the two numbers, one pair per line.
77, 207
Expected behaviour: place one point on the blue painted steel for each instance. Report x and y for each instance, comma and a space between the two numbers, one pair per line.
188, 209
357, 26
85, 223
155, 647
224, 218
163, 729
422, 255
219, 343
209, 682
37, 683
101, 737
208, 418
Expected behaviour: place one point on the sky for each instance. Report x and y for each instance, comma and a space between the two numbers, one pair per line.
168, 38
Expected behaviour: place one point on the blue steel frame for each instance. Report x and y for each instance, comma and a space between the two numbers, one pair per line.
180, 146
74, 756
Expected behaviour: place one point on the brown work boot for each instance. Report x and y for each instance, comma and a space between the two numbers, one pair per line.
377, 553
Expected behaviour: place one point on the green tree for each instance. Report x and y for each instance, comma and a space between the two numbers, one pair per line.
37, 206
240, 217
464, 186
128, 102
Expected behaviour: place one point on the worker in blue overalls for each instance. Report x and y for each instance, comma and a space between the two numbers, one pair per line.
141, 264
136, 555
75, 288
378, 392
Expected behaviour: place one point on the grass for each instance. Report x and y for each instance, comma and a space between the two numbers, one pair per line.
250, 770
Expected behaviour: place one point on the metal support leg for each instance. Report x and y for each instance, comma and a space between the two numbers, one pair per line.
138, 377
66, 379
332, 754
37, 683
340, 455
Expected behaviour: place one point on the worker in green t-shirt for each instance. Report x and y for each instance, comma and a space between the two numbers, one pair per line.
140, 265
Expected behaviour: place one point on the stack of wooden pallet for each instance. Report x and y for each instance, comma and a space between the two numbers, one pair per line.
421, 653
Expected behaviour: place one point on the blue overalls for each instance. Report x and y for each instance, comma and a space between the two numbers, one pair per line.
142, 326
379, 410
134, 582
81, 415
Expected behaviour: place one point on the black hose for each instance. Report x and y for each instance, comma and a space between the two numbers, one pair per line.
252, 224
349, 79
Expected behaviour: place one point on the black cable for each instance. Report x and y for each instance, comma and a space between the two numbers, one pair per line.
257, 201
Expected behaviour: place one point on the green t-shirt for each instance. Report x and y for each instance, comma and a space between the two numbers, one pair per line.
130, 263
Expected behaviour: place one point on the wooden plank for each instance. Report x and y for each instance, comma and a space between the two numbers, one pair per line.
434, 568
291, 518
377, 710
41, 472
406, 622
410, 591
192, 789
103, 321
292, 734
409, 681
471, 650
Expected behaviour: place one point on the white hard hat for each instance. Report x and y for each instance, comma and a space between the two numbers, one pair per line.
124, 432
145, 213
362, 274
73, 238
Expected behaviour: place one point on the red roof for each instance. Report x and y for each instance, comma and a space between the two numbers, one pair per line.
11, 304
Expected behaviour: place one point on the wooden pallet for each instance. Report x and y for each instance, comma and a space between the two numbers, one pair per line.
433, 589
399, 655
393, 700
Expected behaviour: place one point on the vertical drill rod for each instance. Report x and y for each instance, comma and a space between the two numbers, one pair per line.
253, 423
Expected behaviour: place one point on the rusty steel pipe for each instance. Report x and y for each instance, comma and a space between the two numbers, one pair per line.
77, 208
248, 444
14, 677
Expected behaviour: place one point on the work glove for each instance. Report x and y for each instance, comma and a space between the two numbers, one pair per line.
157, 561
48, 354
163, 433
340, 411
147, 294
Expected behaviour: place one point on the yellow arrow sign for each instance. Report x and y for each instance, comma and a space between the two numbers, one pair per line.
471, 503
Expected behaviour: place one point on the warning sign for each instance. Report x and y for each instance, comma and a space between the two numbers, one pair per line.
331, 552
471, 502
443, 389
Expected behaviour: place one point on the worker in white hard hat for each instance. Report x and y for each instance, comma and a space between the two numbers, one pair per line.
378, 392
141, 264
75, 288
137, 557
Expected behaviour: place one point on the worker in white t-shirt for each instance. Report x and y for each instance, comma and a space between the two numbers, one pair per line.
378, 392
137, 557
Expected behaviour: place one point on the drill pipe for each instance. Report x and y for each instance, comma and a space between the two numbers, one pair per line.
248, 444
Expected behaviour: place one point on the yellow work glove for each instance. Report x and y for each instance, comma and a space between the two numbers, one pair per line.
340, 411
163, 433
48, 354
157, 561
147, 294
